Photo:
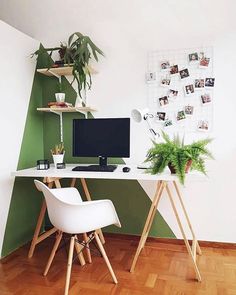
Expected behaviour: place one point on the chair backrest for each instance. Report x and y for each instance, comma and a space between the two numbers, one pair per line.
69, 214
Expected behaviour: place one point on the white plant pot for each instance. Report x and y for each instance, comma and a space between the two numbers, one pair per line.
58, 159
60, 97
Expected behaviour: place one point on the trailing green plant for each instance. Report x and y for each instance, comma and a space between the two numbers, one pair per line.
175, 154
58, 149
77, 52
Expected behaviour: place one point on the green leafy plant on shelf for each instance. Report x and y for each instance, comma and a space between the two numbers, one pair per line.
180, 158
77, 52
58, 149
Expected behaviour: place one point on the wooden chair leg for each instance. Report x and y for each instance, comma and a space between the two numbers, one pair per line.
88, 253
104, 255
69, 265
79, 249
54, 249
88, 197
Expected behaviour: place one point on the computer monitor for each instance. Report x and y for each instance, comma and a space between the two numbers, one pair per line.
101, 138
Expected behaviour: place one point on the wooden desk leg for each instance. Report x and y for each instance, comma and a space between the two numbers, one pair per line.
88, 197
187, 218
38, 227
191, 252
160, 187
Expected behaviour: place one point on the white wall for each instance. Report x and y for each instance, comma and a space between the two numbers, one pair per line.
16, 77
126, 31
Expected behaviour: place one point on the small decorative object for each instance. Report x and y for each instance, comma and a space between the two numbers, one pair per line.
168, 123
203, 61
180, 115
180, 158
209, 82
205, 98
163, 101
60, 96
174, 70
161, 116
203, 125
151, 77
172, 93
199, 84
184, 73
58, 154
193, 58
43, 165
165, 81
61, 165
188, 110
189, 89
165, 65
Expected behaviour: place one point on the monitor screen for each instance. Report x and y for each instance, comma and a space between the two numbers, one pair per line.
101, 137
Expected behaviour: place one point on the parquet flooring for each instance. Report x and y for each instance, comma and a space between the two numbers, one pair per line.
161, 269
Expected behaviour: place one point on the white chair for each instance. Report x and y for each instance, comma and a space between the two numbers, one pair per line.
69, 214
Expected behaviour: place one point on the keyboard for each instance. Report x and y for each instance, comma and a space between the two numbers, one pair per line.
95, 168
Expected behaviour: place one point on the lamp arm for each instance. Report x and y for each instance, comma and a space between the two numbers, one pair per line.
154, 134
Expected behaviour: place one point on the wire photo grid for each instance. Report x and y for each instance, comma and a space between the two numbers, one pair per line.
180, 89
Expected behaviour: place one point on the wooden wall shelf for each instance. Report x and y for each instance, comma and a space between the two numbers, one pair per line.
60, 71
67, 110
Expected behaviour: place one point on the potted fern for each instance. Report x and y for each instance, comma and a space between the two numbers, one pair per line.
180, 158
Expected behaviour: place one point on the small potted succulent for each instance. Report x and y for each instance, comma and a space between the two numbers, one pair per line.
178, 157
60, 96
58, 153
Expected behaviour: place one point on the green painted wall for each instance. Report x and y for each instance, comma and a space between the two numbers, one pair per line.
40, 135
25, 201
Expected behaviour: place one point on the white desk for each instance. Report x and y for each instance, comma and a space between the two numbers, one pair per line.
53, 176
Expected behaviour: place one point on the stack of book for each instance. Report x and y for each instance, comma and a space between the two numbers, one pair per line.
55, 104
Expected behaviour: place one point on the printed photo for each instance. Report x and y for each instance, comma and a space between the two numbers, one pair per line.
165, 82
205, 98
168, 123
174, 70
209, 82
203, 125
180, 116
189, 89
165, 65
163, 101
172, 93
151, 77
188, 110
161, 116
184, 73
199, 84
193, 57
203, 61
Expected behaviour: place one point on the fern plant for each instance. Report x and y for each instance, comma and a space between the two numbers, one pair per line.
178, 156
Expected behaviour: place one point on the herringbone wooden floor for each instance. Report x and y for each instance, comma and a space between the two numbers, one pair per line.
161, 269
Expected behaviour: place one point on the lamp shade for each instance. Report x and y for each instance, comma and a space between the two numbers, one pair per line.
139, 115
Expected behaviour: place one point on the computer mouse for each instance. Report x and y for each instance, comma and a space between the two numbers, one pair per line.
126, 169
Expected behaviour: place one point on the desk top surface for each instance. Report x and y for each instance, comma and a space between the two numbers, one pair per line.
133, 174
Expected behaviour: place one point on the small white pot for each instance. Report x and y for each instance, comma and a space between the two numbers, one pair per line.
60, 97
57, 159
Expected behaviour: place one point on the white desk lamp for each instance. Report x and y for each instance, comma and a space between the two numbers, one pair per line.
139, 115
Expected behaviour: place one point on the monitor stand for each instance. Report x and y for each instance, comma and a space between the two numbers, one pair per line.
102, 167
103, 163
